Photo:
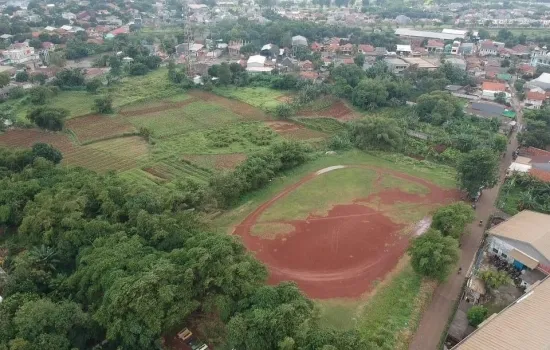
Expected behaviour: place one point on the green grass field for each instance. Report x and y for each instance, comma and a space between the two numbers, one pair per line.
264, 98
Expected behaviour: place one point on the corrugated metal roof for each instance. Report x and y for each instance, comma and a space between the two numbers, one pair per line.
426, 34
523, 258
529, 227
523, 325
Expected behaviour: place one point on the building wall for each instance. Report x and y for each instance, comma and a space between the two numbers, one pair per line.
503, 245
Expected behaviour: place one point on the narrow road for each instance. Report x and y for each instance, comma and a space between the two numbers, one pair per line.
435, 318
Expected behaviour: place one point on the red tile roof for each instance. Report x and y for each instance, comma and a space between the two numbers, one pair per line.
489, 85
535, 96
540, 174
309, 75
366, 48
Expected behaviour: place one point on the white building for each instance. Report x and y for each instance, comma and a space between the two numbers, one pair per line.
534, 99
256, 64
21, 54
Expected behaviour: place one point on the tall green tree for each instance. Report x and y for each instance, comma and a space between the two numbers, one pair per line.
478, 169
377, 133
434, 255
451, 220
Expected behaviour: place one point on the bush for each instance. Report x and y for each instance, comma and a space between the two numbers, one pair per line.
495, 279
103, 105
48, 152
93, 85
451, 220
39, 94
433, 255
340, 142
476, 315
21, 77
16, 92
48, 117
283, 111
137, 69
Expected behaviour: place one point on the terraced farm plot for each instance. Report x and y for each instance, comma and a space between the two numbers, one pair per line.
264, 98
216, 161
327, 125
337, 110
293, 131
132, 147
96, 160
194, 116
25, 138
245, 110
156, 107
171, 169
97, 127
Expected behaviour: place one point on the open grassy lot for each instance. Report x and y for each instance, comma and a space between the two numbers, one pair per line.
442, 176
264, 98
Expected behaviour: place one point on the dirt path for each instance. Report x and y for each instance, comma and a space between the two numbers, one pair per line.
341, 253
436, 316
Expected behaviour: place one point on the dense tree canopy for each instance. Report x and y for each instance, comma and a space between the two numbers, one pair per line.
478, 169
434, 255
451, 220
377, 133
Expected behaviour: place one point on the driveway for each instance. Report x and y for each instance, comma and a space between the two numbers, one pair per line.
435, 318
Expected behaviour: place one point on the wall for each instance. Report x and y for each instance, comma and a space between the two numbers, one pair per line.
504, 245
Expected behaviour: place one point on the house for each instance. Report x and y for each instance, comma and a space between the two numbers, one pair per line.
466, 49
307, 66
396, 65
20, 53
257, 64
309, 75
299, 40
523, 240
365, 49
121, 30
435, 46
316, 47
543, 82
421, 63
455, 47
525, 324
403, 50
456, 62
189, 48
346, 49
490, 88
488, 48
46, 45
533, 99
289, 63
234, 47
538, 160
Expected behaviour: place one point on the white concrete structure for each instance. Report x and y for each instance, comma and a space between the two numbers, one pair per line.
21, 55
426, 34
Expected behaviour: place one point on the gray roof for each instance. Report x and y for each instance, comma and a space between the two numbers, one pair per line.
425, 34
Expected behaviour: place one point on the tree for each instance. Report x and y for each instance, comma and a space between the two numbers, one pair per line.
70, 78
434, 255
477, 314
4, 79
451, 220
103, 105
49, 118
57, 59
359, 60
369, 94
476, 170
484, 34
39, 78
505, 63
500, 97
47, 152
377, 133
116, 66
93, 85
22, 76
494, 279
224, 74
39, 94
352, 74
249, 49
137, 69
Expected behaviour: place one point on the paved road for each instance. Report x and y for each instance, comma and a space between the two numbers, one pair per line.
434, 320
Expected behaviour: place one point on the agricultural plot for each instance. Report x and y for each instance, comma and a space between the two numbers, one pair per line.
97, 127
192, 117
170, 170
241, 108
329, 108
216, 161
293, 131
265, 98
131, 147
25, 138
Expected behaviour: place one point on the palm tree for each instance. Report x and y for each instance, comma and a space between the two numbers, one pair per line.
44, 257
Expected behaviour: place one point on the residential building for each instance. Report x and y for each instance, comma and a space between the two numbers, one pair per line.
20, 53
488, 48
543, 82
365, 49
257, 64
533, 99
403, 50
409, 33
234, 47
490, 88
346, 49
540, 58
466, 49
421, 63
435, 46
396, 65
457, 62
538, 161
525, 324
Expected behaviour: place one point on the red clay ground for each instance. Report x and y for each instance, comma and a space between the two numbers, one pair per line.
343, 253
295, 131
96, 127
337, 110
25, 138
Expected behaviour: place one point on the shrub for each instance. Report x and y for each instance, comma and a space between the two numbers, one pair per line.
494, 278
93, 85
476, 315
48, 117
21, 77
16, 92
283, 111
48, 152
103, 105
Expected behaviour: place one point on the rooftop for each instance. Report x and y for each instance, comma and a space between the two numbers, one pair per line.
491, 86
525, 324
426, 34
529, 227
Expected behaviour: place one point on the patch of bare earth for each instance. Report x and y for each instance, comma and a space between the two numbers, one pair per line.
295, 131
337, 110
25, 138
240, 108
97, 127
217, 161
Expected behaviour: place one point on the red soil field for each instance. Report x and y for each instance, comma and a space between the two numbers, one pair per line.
295, 131
337, 110
96, 127
343, 253
237, 107
25, 138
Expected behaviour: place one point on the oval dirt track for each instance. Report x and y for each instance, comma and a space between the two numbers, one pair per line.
342, 253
